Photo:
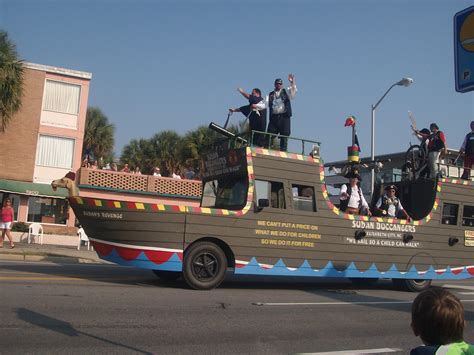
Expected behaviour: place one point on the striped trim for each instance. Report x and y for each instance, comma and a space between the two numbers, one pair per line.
377, 219
458, 181
122, 205
280, 154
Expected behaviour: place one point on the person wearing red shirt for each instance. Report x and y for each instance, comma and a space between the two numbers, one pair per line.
6, 223
436, 146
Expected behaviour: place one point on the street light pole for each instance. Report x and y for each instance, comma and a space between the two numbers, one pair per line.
404, 82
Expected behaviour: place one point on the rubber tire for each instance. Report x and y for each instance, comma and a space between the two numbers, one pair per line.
199, 277
412, 285
167, 276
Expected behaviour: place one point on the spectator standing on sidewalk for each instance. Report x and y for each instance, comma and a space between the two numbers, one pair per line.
7, 221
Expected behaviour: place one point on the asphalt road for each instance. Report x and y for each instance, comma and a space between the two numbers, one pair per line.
50, 308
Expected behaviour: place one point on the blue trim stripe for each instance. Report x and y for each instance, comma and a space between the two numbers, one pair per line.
280, 269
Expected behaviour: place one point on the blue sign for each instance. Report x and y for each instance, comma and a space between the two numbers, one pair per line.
464, 50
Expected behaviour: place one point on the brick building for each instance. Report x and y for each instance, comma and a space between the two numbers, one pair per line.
43, 142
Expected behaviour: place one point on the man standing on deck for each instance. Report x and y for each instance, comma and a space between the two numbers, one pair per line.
467, 149
255, 112
352, 198
279, 108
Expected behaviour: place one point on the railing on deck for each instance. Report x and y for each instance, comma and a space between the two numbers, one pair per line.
121, 182
304, 146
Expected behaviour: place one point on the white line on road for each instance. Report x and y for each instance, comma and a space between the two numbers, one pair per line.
334, 303
462, 287
363, 351
327, 303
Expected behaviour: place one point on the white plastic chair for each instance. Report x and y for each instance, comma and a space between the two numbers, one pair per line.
35, 233
83, 238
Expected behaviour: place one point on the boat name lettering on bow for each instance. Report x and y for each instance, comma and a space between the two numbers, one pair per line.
106, 215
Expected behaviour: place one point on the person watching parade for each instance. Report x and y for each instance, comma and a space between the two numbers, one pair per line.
352, 199
437, 317
467, 149
389, 204
279, 108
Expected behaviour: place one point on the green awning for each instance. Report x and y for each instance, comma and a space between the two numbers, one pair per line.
31, 189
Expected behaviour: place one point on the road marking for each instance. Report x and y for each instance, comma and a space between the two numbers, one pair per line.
327, 303
462, 287
29, 278
334, 303
363, 351
76, 278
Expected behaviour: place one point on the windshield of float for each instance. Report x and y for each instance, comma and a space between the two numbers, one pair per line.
228, 192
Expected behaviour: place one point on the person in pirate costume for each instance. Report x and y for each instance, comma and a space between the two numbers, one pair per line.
389, 204
467, 149
279, 108
256, 113
352, 199
436, 146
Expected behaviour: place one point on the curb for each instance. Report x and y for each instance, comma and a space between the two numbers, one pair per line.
60, 259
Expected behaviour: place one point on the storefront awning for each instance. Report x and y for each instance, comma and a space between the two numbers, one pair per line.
31, 189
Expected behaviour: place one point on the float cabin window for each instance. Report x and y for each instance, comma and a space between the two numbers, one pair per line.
468, 216
303, 198
450, 214
273, 191
228, 193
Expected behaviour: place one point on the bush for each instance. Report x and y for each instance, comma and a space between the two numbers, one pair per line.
20, 227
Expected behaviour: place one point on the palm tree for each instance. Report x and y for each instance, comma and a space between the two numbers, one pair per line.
196, 143
98, 135
166, 146
139, 153
11, 80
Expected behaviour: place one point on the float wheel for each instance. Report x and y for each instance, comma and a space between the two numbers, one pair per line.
412, 285
204, 266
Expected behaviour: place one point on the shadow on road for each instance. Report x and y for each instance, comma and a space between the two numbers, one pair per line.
334, 290
64, 328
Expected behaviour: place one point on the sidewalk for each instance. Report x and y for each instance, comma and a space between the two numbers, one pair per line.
48, 252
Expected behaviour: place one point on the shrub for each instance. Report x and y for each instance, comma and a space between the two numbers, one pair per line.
20, 227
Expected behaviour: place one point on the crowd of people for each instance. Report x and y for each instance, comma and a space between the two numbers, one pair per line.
188, 172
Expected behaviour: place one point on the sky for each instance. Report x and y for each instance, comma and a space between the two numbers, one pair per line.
176, 65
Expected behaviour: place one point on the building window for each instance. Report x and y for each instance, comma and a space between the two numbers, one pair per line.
303, 198
15, 202
272, 191
61, 97
450, 214
468, 216
47, 210
55, 152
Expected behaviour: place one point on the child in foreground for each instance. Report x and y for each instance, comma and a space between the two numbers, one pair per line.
437, 317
